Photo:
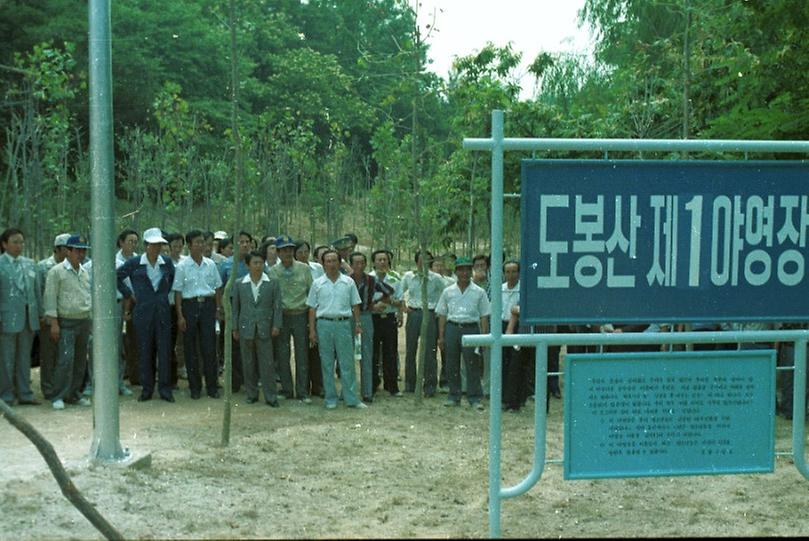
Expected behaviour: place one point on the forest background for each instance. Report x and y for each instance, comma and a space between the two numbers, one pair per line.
343, 128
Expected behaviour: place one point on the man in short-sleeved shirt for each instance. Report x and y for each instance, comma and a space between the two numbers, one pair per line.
463, 308
294, 279
198, 300
333, 313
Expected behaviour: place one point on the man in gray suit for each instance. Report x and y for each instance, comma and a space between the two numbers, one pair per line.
20, 313
257, 319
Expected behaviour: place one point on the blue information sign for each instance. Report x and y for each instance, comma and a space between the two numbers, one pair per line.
662, 414
675, 241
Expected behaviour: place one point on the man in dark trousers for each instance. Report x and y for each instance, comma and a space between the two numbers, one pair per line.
197, 303
152, 276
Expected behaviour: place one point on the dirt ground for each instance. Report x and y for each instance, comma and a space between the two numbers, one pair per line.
396, 470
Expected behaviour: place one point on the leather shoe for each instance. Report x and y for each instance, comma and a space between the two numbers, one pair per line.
168, 398
194, 395
251, 400
214, 394
31, 402
367, 399
273, 403
144, 397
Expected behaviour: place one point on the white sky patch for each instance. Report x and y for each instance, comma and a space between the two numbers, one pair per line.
532, 26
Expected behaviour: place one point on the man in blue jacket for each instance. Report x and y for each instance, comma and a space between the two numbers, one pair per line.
152, 276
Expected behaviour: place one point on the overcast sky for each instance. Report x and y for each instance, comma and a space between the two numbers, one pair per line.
464, 26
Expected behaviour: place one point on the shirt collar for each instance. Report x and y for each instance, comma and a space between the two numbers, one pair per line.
248, 280
66, 264
516, 286
145, 261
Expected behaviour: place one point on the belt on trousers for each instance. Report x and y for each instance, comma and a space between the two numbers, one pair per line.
296, 312
419, 309
198, 299
463, 325
343, 318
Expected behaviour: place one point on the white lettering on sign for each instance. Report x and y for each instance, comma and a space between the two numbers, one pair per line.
731, 240
553, 248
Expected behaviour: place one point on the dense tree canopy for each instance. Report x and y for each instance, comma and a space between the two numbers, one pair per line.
337, 112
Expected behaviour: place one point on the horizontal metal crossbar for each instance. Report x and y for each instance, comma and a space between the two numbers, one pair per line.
637, 145
591, 339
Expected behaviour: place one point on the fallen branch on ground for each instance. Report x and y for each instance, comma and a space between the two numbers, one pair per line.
62, 478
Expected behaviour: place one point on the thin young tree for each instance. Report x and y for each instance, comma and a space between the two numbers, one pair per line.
239, 173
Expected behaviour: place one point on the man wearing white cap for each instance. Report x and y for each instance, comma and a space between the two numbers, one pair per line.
152, 276
215, 255
47, 347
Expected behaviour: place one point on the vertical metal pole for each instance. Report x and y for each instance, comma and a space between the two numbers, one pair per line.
106, 444
799, 408
495, 328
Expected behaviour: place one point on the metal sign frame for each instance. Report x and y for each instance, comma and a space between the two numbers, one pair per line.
709, 240
497, 145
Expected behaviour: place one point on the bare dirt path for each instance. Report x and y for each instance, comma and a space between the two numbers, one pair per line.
398, 469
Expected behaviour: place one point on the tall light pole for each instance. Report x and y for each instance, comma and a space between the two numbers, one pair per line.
106, 444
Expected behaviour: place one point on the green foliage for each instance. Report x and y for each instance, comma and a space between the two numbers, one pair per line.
44, 164
336, 110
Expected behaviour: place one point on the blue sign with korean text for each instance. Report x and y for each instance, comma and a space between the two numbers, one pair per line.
661, 414
664, 241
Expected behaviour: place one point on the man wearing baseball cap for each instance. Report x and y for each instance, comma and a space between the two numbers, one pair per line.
47, 347
68, 309
151, 275
294, 279
215, 256
463, 308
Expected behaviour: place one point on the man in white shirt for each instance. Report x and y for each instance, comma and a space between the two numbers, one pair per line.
514, 380
462, 309
333, 312
197, 289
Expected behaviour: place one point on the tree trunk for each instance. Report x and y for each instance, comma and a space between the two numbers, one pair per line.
686, 71
237, 149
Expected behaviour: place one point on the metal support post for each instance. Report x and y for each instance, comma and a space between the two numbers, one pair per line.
106, 444
799, 408
495, 328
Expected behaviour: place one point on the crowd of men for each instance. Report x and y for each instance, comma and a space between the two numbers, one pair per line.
319, 309
323, 310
